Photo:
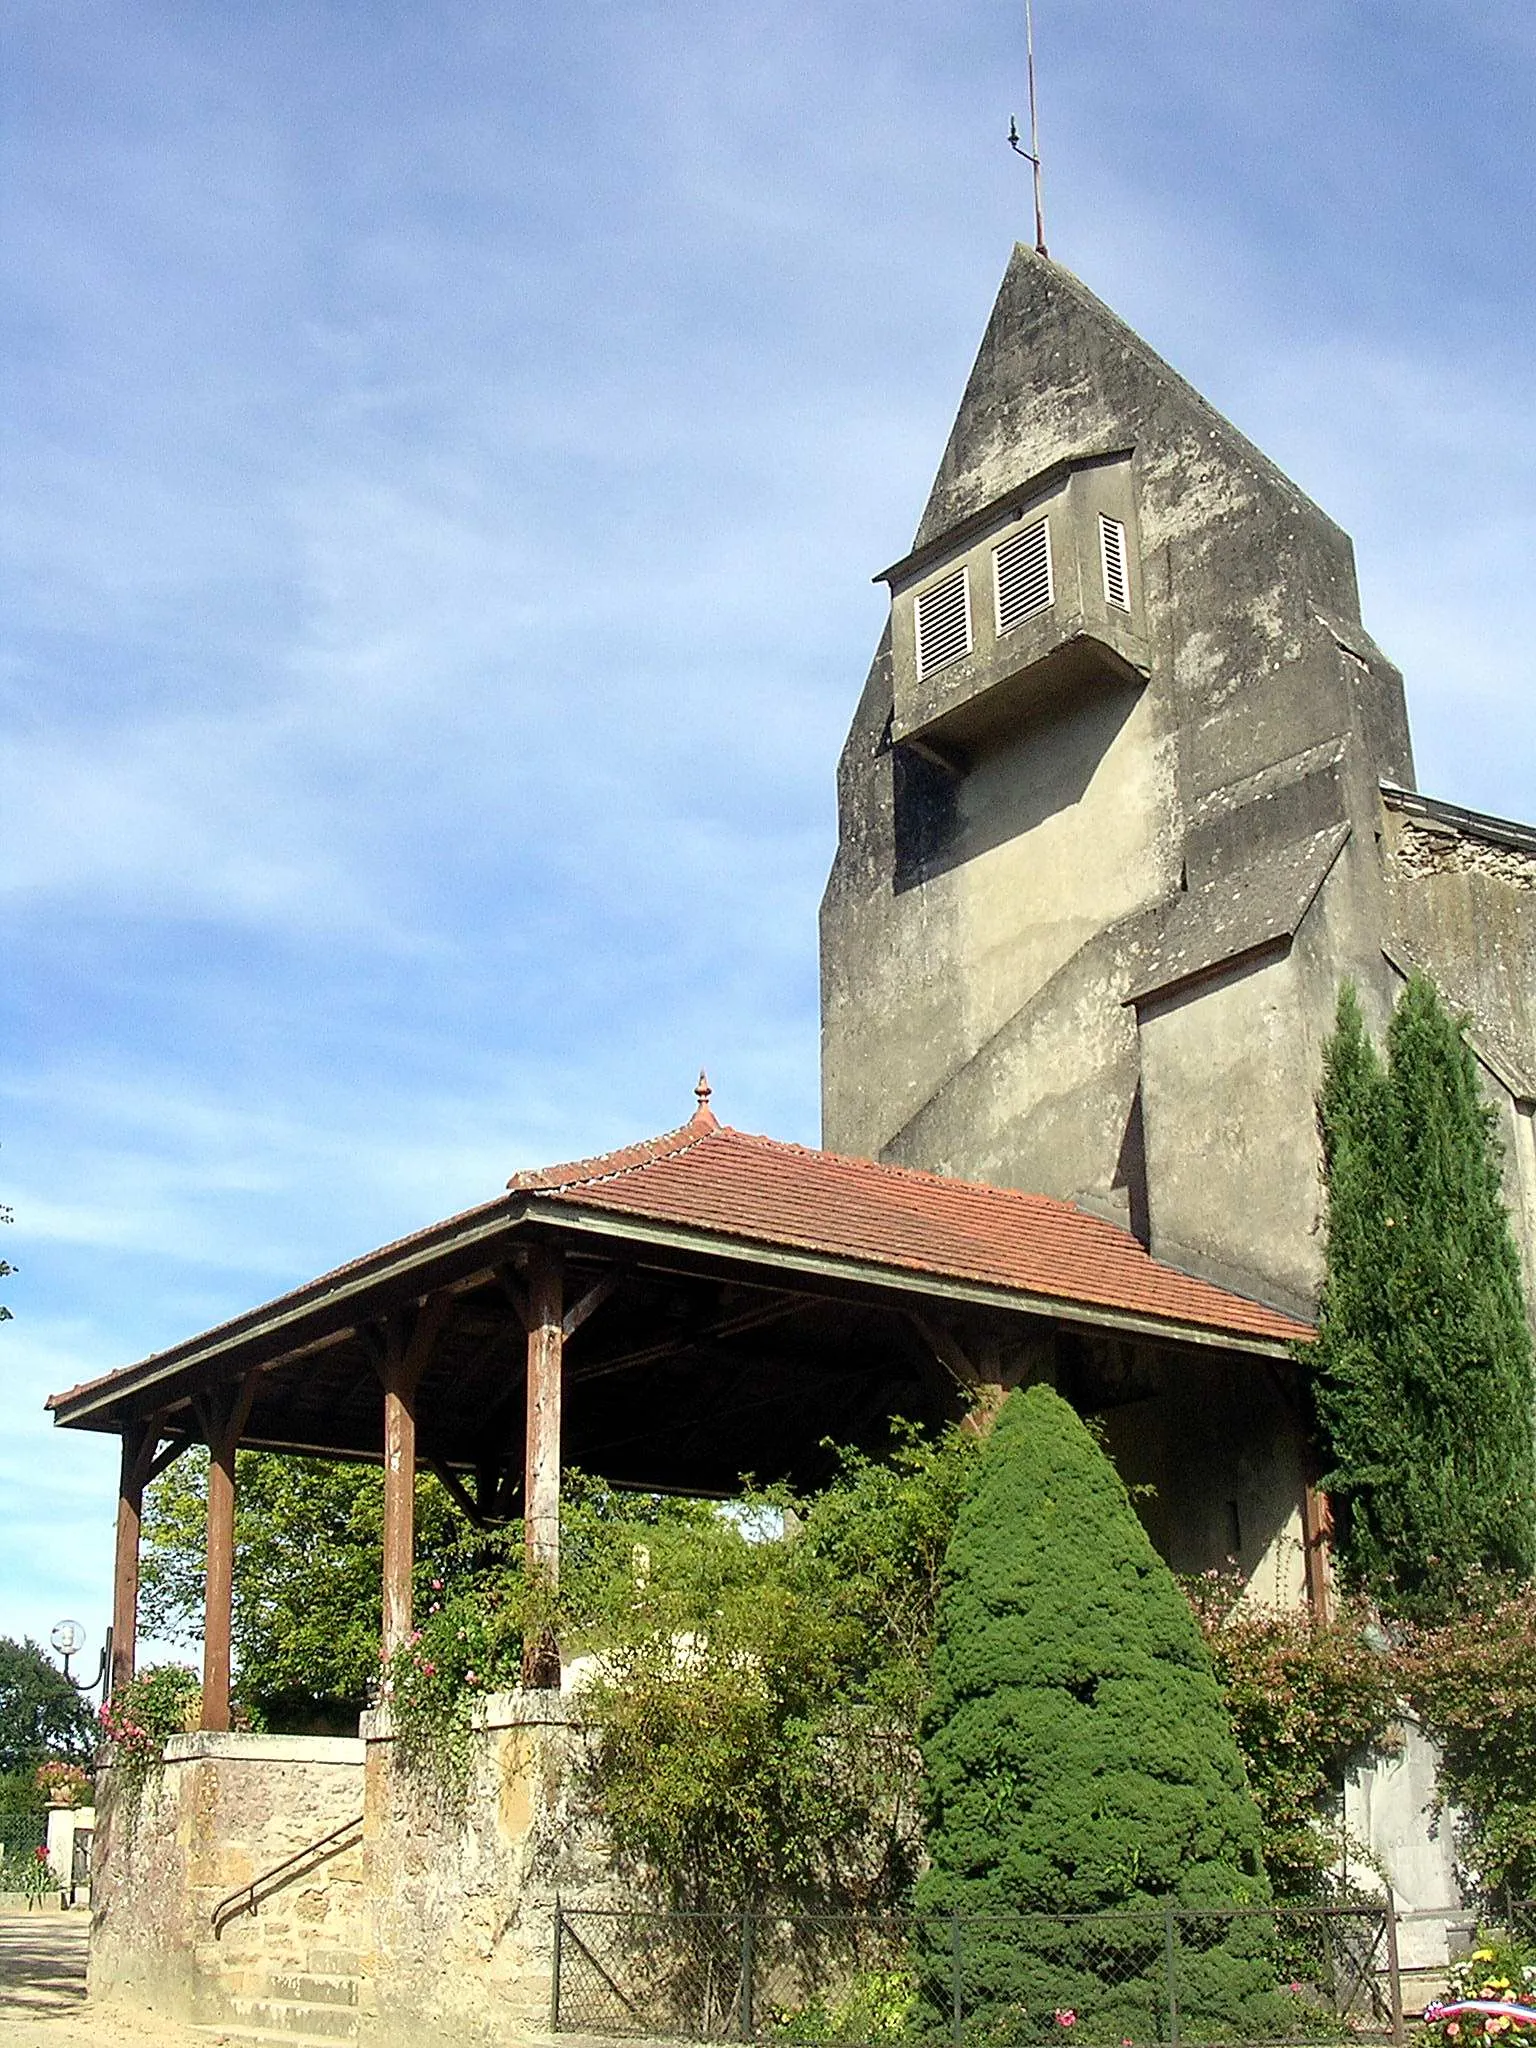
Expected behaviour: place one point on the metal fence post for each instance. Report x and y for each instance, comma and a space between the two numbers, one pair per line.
956, 1980
1394, 1973
554, 1971
1171, 1965
744, 2006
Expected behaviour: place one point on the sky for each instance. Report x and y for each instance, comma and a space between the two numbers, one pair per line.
444, 452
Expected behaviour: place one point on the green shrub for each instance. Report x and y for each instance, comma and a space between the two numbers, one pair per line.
1078, 1759
141, 1715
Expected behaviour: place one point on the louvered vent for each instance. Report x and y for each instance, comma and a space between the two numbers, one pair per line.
944, 623
1117, 579
1021, 570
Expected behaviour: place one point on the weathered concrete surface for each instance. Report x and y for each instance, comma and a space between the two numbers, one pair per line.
1088, 917
223, 1810
462, 1898
1462, 907
1392, 1813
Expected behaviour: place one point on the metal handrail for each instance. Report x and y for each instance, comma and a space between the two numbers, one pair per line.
245, 1899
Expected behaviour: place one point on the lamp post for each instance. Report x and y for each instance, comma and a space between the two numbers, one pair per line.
68, 1638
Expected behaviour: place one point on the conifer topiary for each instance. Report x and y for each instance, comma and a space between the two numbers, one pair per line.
1078, 1761
1422, 1372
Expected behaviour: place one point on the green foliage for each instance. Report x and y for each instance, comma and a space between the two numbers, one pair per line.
24, 1869
874, 2006
156, 1703
307, 1603
759, 1696
1422, 1372
41, 1714
1474, 1688
1307, 1700
20, 1793
1077, 1754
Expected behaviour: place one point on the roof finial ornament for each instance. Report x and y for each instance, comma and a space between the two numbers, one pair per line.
703, 1091
1032, 154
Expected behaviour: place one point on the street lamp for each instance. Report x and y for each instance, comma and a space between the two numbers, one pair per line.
68, 1638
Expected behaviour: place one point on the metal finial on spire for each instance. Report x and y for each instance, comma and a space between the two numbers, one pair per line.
703, 1091
1032, 154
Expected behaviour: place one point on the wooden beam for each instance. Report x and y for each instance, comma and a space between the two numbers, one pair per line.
541, 1466
987, 1390
407, 1352
1317, 1549
489, 1506
517, 1295
226, 1412
589, 1302
734, 1325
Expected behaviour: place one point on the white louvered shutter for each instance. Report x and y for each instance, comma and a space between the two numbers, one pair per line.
1117, 575
944, 622
1021, 572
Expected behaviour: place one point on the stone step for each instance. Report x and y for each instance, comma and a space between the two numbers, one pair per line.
287, 2017
225, 2034
311, 1987
335, 1962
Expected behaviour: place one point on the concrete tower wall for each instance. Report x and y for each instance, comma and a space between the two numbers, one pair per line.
1100, 874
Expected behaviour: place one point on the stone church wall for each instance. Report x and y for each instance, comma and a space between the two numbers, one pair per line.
430, 1919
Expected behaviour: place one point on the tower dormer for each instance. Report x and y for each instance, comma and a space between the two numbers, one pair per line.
1037, 592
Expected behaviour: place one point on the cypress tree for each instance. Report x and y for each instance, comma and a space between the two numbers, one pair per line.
1078, 1759
1423, 1367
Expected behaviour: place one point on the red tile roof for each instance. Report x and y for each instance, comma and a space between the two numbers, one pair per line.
707, 1176
712, 1179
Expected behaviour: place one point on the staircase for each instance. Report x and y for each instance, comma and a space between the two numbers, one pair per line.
311, 2008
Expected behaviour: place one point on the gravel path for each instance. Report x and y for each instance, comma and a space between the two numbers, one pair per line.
42, 1992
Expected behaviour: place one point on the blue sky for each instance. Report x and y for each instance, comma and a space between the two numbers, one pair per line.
443, 454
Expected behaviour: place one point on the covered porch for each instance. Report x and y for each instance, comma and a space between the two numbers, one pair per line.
682, 1314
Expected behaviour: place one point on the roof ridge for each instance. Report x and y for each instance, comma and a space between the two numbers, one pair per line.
930, 1176
604, 1166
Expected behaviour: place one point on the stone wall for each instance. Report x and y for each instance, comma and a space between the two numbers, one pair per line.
463, 1895
221, 1811
431, 1917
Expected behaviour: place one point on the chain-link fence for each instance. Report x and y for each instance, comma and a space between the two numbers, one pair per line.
1151, 1979
23, 1854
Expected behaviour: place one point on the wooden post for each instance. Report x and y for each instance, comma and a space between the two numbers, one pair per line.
219, 1594
139, 1441
224, 1415
399, 1501
1316, 1540
407, 1353
541, 1469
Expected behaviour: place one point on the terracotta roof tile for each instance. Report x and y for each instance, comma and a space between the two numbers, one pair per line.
708, 1176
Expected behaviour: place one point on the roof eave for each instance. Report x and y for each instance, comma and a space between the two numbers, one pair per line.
308, 1317
875, 1274
316, 1315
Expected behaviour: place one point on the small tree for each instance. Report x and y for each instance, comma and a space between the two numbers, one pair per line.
42, 1717
1422, 1371
307, 1597
1078, 1759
